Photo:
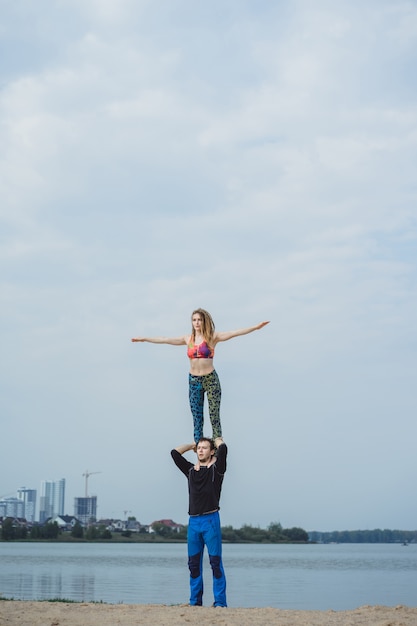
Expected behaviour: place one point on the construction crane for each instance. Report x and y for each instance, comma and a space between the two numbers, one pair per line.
87, 474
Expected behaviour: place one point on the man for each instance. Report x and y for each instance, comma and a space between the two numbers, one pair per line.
204, 487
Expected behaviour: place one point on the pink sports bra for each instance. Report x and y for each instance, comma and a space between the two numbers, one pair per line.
200, 351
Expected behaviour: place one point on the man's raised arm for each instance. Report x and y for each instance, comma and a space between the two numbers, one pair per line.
185, 447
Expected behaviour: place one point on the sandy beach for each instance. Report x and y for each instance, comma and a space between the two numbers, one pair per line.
21, 613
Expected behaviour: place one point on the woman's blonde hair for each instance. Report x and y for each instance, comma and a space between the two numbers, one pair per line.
207, 326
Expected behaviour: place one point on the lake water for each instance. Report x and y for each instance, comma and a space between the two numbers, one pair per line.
313, 577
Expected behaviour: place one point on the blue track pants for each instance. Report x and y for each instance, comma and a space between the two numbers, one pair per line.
205, 530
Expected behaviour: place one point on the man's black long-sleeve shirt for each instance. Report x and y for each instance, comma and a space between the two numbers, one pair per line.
205, 484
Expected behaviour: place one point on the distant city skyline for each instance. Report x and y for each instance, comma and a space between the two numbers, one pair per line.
52, 503
23, 505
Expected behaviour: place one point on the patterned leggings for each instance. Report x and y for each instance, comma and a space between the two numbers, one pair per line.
198, 385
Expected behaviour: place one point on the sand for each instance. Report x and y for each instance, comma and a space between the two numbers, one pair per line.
21, 613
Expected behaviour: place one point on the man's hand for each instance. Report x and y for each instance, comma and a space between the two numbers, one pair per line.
218, 441
185, 447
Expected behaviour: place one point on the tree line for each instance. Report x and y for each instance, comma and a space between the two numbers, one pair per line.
50, 531
364, 536
275, 533
12, 532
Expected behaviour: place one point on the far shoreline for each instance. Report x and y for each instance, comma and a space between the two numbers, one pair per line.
130, 540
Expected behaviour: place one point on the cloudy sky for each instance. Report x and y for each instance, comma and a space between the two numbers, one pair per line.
254, 158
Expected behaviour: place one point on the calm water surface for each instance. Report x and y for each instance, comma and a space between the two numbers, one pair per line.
314, 577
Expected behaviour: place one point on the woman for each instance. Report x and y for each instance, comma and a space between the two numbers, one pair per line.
203, 377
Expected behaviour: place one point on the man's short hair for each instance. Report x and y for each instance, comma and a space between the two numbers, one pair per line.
210, 441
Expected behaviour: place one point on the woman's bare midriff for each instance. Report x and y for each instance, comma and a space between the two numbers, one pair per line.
201, 367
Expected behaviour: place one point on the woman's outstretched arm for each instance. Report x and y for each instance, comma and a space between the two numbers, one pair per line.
225, 336
173, 341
